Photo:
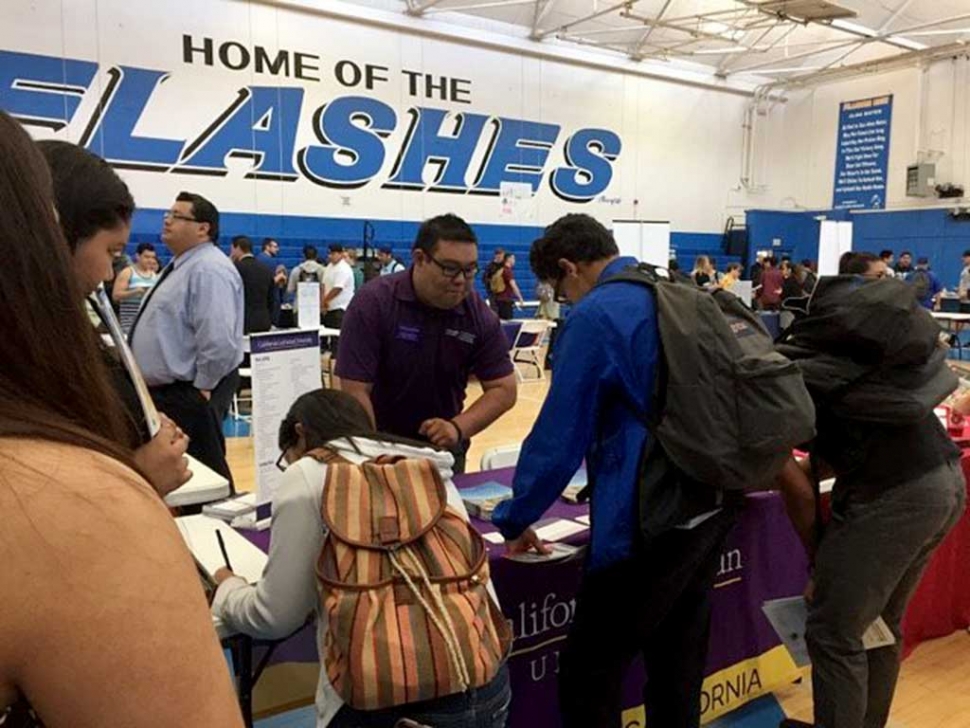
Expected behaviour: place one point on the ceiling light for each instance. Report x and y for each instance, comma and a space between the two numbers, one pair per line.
912, 45
720, 51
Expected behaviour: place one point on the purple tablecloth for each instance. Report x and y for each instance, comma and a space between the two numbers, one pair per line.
762, 560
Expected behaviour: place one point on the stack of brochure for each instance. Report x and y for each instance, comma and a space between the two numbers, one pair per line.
231, 508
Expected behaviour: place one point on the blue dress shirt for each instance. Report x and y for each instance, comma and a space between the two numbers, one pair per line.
191, 326
606, 359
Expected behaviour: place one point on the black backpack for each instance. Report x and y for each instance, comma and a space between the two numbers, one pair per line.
728, 409
307, 276
921, 282
869, 352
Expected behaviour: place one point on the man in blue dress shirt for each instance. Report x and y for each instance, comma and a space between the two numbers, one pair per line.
188, 336
637, 596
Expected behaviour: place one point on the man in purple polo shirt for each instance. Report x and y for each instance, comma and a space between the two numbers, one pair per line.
409, 341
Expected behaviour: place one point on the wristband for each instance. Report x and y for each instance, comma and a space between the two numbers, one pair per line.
461, 435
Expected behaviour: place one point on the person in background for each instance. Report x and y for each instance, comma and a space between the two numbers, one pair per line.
389, 264
963, 288
757, 268
731, 276
351, 257
715, 274
506, 293
81, 526
807, 276
411, 342
94, 209
904, 265
548, 305
925, 283
887, 257
863, 264
769, 295
337, 290
268, 257
309, 271
287, 594
702, 274
259, 287
495, 265
791, 288
188, 336
651, 598
131, 285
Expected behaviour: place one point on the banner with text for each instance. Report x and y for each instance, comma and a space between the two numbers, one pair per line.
862, 153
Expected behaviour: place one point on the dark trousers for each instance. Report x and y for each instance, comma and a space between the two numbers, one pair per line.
657, 604
332, 320
505, 309
199, 420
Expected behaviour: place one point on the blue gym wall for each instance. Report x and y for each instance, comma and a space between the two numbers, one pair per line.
293, 232
930, 233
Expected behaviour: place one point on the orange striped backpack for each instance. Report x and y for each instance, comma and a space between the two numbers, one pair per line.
403, 586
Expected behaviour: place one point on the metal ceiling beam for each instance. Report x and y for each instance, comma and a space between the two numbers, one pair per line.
728, 61
417, 8
875, 66
642, 40
881, 37
542, 10
479, 6
592, 16
896, 13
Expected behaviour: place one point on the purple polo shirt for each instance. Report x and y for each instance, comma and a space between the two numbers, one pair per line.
417, 357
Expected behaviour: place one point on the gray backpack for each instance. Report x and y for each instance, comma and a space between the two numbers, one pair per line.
728, 409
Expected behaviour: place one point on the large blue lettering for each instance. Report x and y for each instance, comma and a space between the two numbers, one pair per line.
260, 125
110, 133
351, 130
451, 153
518, 153
589, 153
43, 90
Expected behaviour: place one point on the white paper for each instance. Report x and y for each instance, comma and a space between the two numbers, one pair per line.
582, 519
107, 314
308, 305
558, 552
199, 533
516, 201
284, 366
204, 486
558, 529
788, 618
743, 290
494, 537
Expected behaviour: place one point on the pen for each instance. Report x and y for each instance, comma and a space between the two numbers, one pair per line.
222, 548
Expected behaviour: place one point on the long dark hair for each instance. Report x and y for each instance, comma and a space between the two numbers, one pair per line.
329, 414
90, 195
53, 382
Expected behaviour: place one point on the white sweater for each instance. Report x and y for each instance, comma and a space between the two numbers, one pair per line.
287, 593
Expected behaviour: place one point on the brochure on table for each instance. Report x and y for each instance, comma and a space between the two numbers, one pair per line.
284, 366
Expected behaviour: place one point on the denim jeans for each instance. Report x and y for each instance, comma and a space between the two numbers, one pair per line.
484, 707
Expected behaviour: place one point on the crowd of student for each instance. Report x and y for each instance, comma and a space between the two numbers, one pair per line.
126, 636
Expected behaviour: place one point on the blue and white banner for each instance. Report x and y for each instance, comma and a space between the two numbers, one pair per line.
862, 153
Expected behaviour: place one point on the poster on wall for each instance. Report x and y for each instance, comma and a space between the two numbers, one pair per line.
862, 154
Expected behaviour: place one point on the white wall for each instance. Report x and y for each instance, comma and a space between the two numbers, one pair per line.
681, 146
930, 112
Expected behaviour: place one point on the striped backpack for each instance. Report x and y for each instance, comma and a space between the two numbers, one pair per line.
403, 585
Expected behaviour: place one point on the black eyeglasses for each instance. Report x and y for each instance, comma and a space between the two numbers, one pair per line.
451, 270
169, 215
281, 462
